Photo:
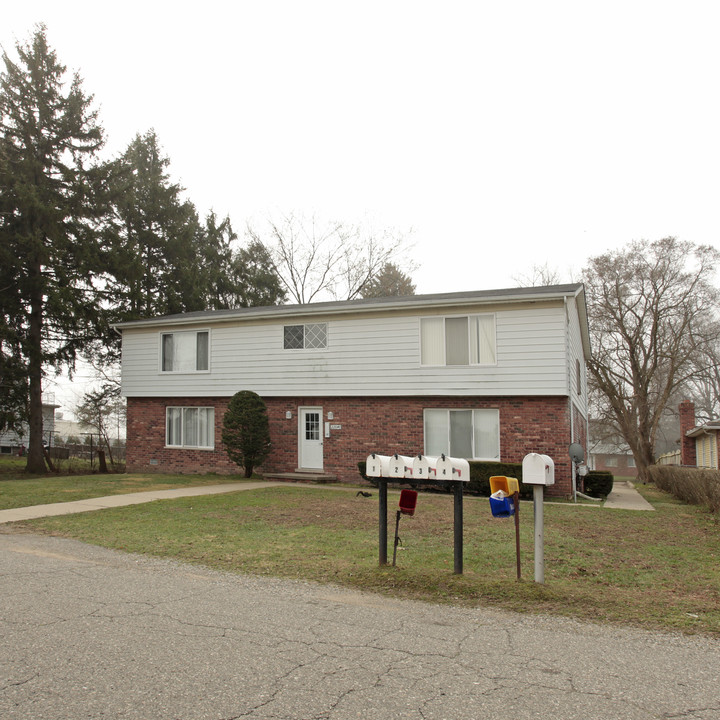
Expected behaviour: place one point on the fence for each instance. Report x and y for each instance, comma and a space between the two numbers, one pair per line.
671, 458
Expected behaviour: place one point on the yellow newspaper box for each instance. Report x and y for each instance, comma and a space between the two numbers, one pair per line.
507, 484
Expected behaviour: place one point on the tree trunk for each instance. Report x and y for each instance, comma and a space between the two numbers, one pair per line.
101, 460
36, 455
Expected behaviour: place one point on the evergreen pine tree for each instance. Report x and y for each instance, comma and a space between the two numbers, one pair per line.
50, 222
246, 430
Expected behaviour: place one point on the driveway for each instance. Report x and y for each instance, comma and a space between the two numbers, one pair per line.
90, 633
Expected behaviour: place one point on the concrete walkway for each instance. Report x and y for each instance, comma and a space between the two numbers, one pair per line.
111, 501
623, 497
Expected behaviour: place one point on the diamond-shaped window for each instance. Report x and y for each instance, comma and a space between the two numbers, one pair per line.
293, 337
316, 336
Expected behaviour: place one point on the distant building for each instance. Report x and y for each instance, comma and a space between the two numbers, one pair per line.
699, 442
616, 459
11, 443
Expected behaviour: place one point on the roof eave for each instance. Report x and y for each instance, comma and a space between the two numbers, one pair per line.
384, 304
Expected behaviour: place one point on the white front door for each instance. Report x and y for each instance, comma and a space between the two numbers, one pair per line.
310, 446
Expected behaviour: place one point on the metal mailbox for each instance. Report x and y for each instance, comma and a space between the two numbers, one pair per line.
424, 467
377, 465
408, 501
538, 470
400, 466
449, 468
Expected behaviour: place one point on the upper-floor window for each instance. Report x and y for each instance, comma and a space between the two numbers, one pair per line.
464, 340
186, 351
305, 337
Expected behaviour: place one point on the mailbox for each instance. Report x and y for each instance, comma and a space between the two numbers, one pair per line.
424, 467
449, 468
377, 465
400, 466
507, 484
408, 501
501, 491
538, 470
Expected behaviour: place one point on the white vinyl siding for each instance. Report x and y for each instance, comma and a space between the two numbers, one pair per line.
190, 427
378, 355
471, 434
184, 352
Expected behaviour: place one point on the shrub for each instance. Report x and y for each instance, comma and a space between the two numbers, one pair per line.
695, 486
246, 430
599, 483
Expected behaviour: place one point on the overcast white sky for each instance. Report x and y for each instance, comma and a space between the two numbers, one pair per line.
507, 134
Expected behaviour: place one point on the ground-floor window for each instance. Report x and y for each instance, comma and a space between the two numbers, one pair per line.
471, 434
190, 427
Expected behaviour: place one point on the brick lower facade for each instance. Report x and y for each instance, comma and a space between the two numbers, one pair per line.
376, 424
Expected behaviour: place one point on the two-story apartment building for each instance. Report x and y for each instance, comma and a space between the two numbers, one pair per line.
490, 375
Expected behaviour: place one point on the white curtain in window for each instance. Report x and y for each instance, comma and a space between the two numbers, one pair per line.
487, 434
432, 341
190, 427
206, 426
436, 432
482, 340
173, 426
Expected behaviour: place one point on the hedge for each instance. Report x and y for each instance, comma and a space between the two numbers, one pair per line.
696, 486
599, 483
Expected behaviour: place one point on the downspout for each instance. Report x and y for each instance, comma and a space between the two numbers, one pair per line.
568, 375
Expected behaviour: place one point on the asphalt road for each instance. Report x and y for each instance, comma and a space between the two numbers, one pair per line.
92, 633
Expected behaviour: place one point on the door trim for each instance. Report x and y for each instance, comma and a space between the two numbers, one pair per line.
303, 453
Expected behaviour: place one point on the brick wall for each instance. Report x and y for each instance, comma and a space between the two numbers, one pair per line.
687, 444
384, 425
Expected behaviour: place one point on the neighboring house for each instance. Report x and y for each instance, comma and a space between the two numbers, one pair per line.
11, 443
616, 459
489, 375
699, 444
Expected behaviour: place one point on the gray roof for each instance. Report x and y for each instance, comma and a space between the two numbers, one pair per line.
708, 427
386, 303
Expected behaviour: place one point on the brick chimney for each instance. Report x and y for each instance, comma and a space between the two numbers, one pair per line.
687, 444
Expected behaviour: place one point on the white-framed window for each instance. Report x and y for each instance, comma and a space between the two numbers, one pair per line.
185, 351
611, 462
470, 434
312, 336
631, 461
461, 340
190, 427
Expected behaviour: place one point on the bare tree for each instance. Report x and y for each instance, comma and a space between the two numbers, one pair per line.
102, 410
652, 311
703, 386
539, 276
316, 259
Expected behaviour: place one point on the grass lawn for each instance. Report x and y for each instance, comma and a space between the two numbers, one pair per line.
651, 569
20, 490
